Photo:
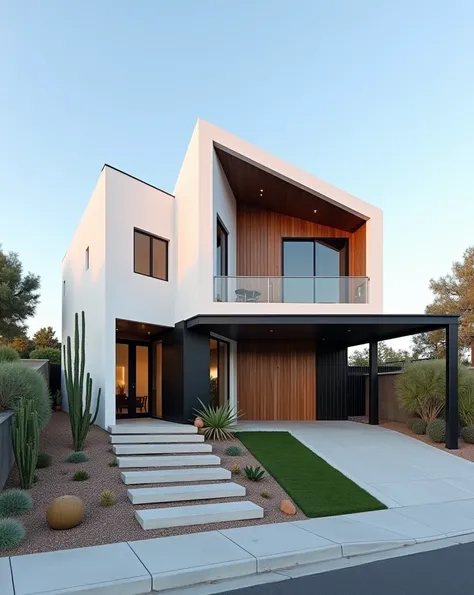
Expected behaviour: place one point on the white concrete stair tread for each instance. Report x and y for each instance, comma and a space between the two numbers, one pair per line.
185, 493
142, 428
155, 449
175, 475
185, 560
155, 438
131, 462
112, 568
198, 514
283, 545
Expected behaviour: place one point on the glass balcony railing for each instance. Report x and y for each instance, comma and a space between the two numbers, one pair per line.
296, 290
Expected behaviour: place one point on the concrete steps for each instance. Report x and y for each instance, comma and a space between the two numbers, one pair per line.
163, 461
175, 476
143, 428
185, 493
155, 449
155, 439
198, 514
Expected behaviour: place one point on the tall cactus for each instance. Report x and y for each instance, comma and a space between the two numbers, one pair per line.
79, 410
25, 439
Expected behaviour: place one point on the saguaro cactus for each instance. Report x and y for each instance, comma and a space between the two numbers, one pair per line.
25, 439
79, 408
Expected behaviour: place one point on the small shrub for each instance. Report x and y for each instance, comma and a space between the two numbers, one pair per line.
17, 382
218, 421
53, 355
254, 473
14, 503
235, 469
77, 457
107, 498
436, 430
44, 460
80, 475
419, 426
11, 534
466, 397
113, 463
266, 494
411, 421
233, 451
8, 354
467, 434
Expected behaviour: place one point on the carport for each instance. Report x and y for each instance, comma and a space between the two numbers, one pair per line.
332, 335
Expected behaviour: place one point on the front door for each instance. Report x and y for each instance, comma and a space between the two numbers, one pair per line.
132, 379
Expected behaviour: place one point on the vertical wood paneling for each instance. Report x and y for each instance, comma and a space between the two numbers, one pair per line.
277, 380
259, 241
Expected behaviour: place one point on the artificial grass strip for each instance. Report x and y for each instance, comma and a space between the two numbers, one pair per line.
317, 489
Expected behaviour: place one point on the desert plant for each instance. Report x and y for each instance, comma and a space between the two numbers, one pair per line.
17, 381
8, 354
467, 434
80, 416
57, 400
80, 475
11, 534
218, 420
421, 389
44, 460
466, 396
266, 494
436, 430
235, 469
233, 451
49, 353
25, 439
419, 426
411, 421
254, 473
107, 498
77, 457
113, 463
14, 503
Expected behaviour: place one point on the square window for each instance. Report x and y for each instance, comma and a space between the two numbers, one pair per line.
150, 255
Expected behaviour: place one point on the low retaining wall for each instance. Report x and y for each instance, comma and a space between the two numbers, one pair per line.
6, 449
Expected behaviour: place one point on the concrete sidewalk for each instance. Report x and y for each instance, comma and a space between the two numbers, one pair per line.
165, 563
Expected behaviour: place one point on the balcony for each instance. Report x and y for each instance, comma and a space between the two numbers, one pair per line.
296, 290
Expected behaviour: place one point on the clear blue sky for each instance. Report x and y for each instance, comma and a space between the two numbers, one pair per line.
375, 97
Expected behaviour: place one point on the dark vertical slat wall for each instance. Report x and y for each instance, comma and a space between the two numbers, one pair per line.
331, 387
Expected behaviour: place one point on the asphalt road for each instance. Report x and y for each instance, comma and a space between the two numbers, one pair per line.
447, 571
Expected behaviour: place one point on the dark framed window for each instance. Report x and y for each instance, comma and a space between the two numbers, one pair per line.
222, 241
150, 255
219, 371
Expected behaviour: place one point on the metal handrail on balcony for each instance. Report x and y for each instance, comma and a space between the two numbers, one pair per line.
298, 290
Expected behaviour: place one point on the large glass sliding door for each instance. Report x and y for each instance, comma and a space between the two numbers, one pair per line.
132, 379
219, 371
314, 269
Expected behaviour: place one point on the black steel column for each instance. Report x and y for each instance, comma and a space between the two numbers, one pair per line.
373, 384
452, 415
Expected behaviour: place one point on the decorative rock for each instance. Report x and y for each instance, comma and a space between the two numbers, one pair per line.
65, 512
198, 423
287, 507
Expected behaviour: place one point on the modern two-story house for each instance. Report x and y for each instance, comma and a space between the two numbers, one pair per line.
246, 285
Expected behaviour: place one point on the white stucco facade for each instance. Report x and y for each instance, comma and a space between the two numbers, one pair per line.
110, 289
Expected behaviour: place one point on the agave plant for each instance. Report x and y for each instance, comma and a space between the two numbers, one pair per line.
218, 420
254, 473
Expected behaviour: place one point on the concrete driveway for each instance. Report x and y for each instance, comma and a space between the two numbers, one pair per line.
396, 469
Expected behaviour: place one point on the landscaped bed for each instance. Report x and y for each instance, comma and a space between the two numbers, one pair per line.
315, 487
117, 523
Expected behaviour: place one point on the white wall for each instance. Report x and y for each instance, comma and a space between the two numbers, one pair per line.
85, 290
130, 296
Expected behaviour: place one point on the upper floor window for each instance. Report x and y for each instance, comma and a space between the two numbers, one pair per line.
221, 249
150, 255
87, 258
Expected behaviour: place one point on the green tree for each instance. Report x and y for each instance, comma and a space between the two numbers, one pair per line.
50, 353
19, 295
453, 294
385, 355
46, 337
23, 344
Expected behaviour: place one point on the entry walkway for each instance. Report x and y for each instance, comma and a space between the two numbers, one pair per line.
396, 469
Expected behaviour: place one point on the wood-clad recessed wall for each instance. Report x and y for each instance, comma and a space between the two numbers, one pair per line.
276, 380
259, 241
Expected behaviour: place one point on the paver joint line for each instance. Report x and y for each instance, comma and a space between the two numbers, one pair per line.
141, 562
239, 546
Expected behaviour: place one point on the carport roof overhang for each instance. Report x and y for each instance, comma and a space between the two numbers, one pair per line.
343, 330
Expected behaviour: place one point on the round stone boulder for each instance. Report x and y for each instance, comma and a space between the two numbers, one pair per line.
287, 507
65, 512
198, 423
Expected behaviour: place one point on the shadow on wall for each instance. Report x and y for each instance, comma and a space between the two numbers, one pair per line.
389, 410
6, 449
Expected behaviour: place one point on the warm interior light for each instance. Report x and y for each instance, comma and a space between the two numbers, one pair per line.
120, 375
